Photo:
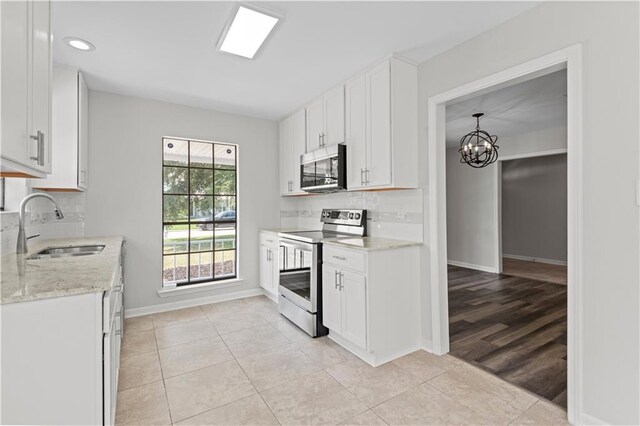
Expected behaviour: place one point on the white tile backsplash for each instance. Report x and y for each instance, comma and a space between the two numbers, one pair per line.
41, 220
391, 214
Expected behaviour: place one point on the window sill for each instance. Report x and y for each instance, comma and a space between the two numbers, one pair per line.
197, 288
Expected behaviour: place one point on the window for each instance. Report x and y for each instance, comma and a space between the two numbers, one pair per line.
199, 192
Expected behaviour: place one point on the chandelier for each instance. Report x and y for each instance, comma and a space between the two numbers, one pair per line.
478, 149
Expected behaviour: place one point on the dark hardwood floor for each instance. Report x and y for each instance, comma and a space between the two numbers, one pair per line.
513, 327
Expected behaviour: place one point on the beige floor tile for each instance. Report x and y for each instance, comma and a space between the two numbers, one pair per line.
247, 411
134, 324
374, 385
236, 321
426, 405
137, 342
368, 418
277, 365
185, 332
144, 405
205, 389
246, 342
323, 351
171, 318
351, 372
260, 302
313, 399
425, 365
489, 396
270, 315
287, 328
139, 369
543, 413
214, 310
192, 356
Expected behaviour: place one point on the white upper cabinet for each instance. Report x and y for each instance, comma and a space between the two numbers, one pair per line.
333, 117
292, 146
315, 124
325, 120
69, 132
375, 114
25, 88
382, 127
356, 91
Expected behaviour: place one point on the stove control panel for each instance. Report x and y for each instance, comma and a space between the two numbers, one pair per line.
344, 217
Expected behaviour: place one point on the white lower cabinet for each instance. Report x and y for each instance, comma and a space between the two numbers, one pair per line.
269, 264
345, 302
61, 358
370, 307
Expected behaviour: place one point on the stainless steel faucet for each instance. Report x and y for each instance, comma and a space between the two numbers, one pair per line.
22, 238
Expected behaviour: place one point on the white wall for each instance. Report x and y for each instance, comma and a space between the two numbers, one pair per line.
390, 214
472, 199
534, 208
125, 183
608, 32
472, 214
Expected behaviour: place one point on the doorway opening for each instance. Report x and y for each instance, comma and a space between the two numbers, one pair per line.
470, 309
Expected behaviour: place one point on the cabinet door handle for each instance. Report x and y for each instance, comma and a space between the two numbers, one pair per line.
339, 257
335, 279
361, 176
341, 281
320, 140
268, 255
39, 138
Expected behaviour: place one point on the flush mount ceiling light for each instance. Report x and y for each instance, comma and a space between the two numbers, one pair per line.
478, 149
80, 44
246, 32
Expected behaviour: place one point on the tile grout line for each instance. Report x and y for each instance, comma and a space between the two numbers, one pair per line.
245, 373
471, 408
164, 384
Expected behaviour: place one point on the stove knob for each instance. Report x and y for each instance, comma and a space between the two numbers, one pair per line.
350, 215
357, 216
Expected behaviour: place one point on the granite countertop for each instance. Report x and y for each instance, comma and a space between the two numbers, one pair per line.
22, 280
370, 243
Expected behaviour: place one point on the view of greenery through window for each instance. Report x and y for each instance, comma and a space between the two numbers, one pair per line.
199, 211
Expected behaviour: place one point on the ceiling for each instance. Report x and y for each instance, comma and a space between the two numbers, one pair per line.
166, 50
526, 107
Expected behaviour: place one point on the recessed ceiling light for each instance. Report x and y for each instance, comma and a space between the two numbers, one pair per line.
247, 31
79, 44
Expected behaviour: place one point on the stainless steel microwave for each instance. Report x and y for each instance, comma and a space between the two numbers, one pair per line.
324, 170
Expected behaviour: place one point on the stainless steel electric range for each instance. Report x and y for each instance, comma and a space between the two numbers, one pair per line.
300, 289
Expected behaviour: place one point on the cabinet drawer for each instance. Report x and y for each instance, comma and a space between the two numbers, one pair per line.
344, 258
269, 239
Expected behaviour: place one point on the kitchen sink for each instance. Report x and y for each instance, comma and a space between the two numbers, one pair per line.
68, 251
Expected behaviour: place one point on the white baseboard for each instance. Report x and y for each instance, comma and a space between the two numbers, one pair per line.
472, 266
427, 345
273, 297
586, 419
164, 307
535, 259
